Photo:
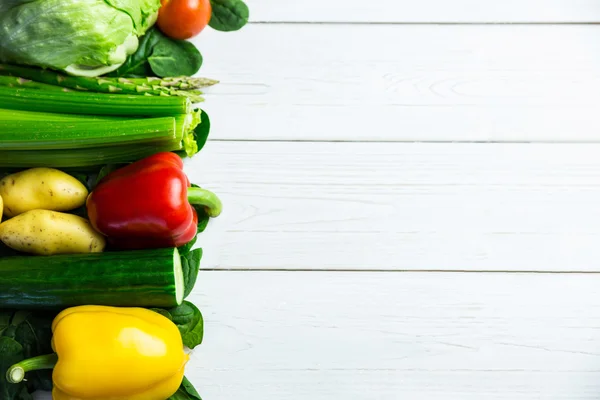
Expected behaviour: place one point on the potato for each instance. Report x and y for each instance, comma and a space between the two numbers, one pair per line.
41, 188
1, 208
47, 232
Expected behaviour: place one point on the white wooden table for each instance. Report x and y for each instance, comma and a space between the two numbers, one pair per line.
412, 202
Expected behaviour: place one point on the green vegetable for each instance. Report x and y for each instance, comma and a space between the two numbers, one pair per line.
37, 134
186, 391
190, 261
30, 139
161, 56
11, 352
92, 103
24, 334
26, 77
89, 157
124, 278
228, 15
18, 82
189, 321
87, 38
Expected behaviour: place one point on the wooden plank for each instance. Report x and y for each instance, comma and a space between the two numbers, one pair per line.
402, 206
425, 11
404, 83
319, 335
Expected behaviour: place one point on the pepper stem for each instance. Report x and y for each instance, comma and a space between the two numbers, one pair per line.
16, 373
202, 197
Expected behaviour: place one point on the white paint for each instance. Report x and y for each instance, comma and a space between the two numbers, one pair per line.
407, 206
389, 336
425, 11
404, 83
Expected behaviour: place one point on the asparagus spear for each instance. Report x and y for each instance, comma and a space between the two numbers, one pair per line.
17, 82
151, 86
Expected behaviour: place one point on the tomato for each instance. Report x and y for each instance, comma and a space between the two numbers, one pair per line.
183, 19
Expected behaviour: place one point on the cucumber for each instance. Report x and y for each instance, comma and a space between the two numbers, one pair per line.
140, 278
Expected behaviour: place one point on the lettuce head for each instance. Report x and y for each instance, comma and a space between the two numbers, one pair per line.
80, 37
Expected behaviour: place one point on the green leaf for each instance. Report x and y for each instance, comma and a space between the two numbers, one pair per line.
228, 15
175, 58
203, 219
186, 248
202, 130
5, 317
34, 333
163, 312
186, 391
12, 353
104, 171
137, 64
190, 323
190, 263
158, 55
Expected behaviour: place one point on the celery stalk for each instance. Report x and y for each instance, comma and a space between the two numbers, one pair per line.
74, 134
87, 157
91, 103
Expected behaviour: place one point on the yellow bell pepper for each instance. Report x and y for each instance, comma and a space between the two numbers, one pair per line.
112, 353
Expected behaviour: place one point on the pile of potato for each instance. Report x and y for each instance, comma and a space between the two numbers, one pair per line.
35, 202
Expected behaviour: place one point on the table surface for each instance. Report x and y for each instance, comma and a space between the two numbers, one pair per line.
412, 202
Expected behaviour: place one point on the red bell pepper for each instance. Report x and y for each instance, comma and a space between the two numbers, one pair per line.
148, 204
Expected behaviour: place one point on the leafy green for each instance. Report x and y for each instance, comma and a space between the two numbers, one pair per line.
12, 353
161, 56
186, 391
163, 312
202, 130
190, 263
87, 38
137, 63
228, 15
105, 170
175, 58
24, 334
189, 320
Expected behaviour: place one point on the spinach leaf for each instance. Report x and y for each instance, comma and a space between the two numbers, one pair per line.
190, 323
228, 15
163, 312
191, 265
202, 130
175, 58
203, 219
186, 248
35, 334
104, 171
137, 63
186, 391
158, 55
12, 353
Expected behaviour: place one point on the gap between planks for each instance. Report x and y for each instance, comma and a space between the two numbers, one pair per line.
391, 23
403, 271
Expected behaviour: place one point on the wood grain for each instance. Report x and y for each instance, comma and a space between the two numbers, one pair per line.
397, 335
415, 336
402, 206
404, 83
425, 11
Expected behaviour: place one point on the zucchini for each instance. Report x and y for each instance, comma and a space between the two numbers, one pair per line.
140, 278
